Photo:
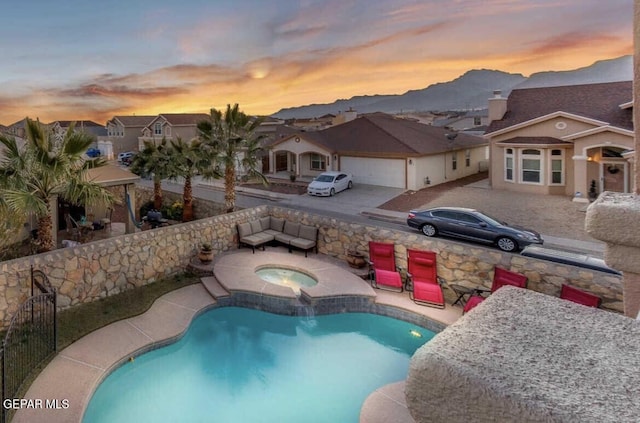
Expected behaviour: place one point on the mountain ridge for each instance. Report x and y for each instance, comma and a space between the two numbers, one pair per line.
471, 90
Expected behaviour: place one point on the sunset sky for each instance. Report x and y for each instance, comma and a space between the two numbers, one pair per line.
72, 60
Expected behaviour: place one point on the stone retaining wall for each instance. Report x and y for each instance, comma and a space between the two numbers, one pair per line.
98, 269
459, 263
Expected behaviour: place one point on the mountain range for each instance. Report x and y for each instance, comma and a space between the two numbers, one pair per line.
469, 91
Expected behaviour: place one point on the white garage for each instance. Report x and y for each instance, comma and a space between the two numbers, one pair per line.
372, 171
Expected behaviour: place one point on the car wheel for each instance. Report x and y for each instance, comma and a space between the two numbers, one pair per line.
350, 185
429, 230
506, 244
332, 192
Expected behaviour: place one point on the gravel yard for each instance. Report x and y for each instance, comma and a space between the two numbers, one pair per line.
553, 215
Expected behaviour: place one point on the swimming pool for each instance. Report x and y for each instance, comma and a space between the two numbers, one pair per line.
243, 365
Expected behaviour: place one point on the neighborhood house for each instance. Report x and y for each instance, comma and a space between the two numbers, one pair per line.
566, 140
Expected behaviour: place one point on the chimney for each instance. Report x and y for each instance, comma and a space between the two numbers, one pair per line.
497, 106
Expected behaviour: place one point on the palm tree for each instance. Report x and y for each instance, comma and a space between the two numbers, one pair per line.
233, 143
186, 160
46, 166
153, 159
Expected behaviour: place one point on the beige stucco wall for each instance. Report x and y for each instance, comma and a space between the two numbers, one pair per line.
128, 142
438, 172
578, 172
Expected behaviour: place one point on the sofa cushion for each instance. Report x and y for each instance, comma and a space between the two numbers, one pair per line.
244, 229
308, 232
291, 228
303, 243
255, 226
284, 238
256, 239
265, 222
277, 224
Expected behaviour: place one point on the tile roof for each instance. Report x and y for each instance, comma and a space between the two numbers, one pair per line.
78, 123
595, 101
135, 120
184, 118
383, 135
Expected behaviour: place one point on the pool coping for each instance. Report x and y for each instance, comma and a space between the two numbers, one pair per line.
93, 357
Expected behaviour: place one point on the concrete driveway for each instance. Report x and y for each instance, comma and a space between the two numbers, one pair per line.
352, 201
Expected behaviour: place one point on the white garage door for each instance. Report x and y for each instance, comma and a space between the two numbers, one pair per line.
383, 172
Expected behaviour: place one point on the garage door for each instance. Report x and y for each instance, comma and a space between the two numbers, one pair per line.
383, 172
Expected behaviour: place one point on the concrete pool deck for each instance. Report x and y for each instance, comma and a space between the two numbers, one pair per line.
76, 371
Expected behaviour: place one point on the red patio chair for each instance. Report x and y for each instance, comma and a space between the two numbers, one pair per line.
579, 296
501, 277
422, 276
383, 273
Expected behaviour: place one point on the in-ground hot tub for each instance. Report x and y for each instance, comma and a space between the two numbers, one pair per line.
283, 276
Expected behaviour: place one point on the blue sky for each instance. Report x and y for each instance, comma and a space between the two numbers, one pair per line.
93, 60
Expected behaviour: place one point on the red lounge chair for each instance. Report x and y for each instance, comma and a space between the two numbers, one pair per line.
383, 272
422, 275
579, 296
501, 277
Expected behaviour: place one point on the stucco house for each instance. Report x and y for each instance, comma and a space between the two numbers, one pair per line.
557, 140
123, 132
380, 149
171, 126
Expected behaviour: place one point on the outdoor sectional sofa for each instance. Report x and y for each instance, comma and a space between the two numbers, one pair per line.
257, 233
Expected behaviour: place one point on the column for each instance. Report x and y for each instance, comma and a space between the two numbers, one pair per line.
130, 203
580, 188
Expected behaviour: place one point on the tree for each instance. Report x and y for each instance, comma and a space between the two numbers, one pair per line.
46, 166
153, 159
186, 160
232, 143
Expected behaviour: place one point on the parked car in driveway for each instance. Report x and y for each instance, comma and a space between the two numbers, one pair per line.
330, 183
472, 225
125, 155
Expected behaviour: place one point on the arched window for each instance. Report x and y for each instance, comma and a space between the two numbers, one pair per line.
531, 166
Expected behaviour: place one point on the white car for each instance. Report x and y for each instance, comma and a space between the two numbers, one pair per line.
125, 155
329, 183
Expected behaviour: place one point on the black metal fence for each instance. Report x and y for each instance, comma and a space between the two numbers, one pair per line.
30, 339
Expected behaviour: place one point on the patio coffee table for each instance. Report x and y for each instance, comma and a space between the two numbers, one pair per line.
462, 292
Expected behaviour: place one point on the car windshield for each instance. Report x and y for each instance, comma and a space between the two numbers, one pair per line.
324, 178
492, 220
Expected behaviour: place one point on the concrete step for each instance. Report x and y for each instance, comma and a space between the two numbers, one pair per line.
212, 285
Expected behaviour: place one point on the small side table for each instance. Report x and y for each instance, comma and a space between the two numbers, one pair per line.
463, 293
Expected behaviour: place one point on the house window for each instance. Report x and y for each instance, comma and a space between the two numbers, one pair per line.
477, 121
157, 129
531, 165
168, 131
454, 160
557, 164
508, 165
317, 162
467, 158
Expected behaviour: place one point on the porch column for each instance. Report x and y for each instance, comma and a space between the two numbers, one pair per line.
130, 194
272, 159
580, 179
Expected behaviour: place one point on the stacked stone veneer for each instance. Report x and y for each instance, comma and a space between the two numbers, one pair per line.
102, 268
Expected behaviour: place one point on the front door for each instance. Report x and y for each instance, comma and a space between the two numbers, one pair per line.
281, 161
613, 176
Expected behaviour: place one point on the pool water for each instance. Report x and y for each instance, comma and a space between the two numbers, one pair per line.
243, 365
286, 277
